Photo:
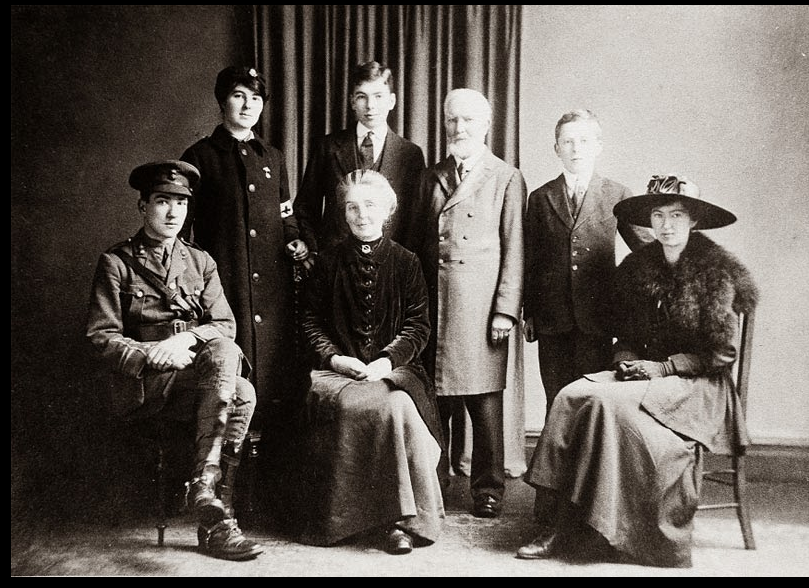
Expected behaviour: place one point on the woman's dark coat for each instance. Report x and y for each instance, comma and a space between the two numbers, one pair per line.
241, 215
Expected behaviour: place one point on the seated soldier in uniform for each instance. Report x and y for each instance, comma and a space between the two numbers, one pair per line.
161, 323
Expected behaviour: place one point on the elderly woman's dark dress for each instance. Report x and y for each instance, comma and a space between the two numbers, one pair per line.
376, 445
625, 452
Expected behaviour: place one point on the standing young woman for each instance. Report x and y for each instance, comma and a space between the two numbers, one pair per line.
242, 215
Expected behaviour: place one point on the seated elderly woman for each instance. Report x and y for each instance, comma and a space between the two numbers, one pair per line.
618, 452
375, 432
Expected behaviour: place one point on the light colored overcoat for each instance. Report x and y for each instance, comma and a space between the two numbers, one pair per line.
471, 246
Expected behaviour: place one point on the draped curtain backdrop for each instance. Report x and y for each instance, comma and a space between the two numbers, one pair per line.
307, 53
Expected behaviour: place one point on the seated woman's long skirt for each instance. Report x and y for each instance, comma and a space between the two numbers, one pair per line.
374, 462
633, 480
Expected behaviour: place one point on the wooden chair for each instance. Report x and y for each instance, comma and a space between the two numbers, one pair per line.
158, 435
735, 474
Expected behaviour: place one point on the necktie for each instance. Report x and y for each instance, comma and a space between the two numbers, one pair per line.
462, 171
367, 150
577, 195
165, 260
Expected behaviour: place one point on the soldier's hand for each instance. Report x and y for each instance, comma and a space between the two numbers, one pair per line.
171, 353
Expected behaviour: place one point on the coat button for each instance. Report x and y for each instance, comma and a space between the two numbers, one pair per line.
140, 294
255, 277
440, 261
461, 261
465, 238
251, 187
197, 292
575, 267
244, 151
470, 214
441, 238
172, 286
257, 318
253, 232
575, 238
575, 253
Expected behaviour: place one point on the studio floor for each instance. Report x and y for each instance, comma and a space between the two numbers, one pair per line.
468, 546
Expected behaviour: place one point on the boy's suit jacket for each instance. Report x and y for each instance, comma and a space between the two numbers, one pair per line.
569, 265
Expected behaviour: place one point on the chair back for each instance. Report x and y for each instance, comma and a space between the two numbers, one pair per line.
741, 371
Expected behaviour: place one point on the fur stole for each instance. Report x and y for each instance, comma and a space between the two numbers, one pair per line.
700, 296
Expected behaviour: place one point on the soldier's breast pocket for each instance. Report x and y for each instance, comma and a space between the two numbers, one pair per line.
137, 299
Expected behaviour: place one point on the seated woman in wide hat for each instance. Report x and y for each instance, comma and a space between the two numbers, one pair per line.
617, 458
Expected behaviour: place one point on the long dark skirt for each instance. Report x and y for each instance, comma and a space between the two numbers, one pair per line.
374, 462
633, 480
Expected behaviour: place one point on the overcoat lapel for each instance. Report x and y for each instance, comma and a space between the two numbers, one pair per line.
473, 180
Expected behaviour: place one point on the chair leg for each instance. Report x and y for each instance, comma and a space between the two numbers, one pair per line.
740, 492
160, 479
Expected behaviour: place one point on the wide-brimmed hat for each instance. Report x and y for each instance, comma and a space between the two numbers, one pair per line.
663, 190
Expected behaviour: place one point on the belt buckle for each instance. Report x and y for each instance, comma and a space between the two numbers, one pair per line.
178, 326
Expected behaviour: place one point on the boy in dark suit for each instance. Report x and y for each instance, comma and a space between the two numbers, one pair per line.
370, 144
570, 258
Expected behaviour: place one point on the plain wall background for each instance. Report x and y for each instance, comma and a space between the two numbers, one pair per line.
718, 93
96, 91
721, 95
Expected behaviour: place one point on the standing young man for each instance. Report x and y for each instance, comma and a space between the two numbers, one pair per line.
369, 144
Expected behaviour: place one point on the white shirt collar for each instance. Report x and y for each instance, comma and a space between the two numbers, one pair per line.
378, 137
570, 179
471, 161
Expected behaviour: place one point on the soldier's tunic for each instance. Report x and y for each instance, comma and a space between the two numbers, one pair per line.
127, 316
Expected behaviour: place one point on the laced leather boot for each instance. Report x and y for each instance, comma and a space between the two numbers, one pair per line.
201, 497
226, 541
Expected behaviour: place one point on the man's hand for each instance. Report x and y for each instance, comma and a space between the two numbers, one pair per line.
528, 330
349, 366
501, 325
173, 353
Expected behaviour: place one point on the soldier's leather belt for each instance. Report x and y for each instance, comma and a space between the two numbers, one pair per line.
160, 331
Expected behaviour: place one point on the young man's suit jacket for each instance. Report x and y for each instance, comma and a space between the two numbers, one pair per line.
334, 156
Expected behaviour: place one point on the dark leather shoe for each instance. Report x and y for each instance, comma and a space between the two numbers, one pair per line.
398, 542
226, 541
486, 507
544, 546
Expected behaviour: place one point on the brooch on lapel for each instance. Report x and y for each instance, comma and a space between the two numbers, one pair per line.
267, 172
